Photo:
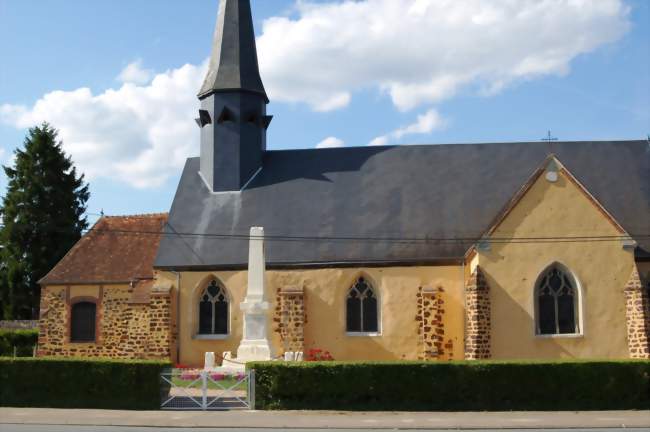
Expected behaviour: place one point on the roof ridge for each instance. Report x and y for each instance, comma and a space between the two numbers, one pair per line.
458, 144
137, 215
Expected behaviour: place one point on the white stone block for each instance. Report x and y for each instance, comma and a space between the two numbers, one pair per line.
209, 361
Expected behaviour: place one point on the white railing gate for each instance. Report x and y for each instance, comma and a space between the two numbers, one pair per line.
183, 389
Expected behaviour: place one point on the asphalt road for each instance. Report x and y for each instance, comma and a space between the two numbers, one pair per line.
48, 428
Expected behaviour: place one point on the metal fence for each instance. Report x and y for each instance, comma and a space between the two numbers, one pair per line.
183, 389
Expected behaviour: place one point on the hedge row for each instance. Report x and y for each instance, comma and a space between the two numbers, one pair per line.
76, 383
22, 340
454, 386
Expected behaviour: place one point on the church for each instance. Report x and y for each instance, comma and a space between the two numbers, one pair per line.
532, 250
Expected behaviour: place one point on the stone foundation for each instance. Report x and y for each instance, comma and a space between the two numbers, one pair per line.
290, 318
637, 315
123, 330
477, 322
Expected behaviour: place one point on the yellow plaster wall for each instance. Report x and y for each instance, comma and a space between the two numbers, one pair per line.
325, 293
191, 350
602, 268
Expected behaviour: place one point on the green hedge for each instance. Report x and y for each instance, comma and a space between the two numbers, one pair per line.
23, 340
76, 383
454, 386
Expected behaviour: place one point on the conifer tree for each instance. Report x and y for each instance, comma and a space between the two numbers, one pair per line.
42, 217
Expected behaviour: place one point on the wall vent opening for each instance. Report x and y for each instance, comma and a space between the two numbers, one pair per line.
204, 118
226, 116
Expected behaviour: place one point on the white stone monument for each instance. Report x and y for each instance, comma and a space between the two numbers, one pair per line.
255, 344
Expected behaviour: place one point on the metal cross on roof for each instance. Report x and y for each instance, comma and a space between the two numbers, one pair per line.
548, 138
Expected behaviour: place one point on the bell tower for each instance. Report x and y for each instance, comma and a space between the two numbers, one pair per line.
232, 116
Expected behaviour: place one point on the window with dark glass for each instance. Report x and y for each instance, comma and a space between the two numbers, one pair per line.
213, 310
82, 322
557, 299
361, 308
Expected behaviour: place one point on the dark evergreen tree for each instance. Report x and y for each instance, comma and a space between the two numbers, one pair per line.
43, 216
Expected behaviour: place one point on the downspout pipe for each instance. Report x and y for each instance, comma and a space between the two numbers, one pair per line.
464, 284
178, 315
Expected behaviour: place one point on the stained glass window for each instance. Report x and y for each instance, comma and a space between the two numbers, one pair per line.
362, 308
213, 310
557, 303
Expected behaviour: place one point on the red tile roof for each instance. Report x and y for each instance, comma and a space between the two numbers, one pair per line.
116, 249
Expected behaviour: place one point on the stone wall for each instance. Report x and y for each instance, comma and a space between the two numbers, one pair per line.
637, 305
123, 330
19, 325
431, 328
290, 318
477, 323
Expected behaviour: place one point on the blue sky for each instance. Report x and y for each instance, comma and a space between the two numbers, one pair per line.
460, 74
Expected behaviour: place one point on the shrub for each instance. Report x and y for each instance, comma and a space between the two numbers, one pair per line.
23, 340
76, 383
453, 386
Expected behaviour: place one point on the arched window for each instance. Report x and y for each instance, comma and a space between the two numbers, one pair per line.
82, 322
213, 310
362, 308
557, 297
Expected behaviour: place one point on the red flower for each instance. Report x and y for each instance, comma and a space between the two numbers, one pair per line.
316, 354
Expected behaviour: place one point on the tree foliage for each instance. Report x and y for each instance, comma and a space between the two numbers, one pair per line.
43, 216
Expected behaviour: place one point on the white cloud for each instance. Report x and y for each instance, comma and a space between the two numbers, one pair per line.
416, 51
424, 51
135, 74
330, 142
379, 141
140, 135
425, 123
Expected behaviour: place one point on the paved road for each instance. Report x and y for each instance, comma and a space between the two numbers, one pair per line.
104, 420
44, 428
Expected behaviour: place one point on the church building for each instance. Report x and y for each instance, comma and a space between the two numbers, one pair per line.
532, 250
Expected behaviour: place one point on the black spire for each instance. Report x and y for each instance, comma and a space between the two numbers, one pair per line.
233, 65
232, 116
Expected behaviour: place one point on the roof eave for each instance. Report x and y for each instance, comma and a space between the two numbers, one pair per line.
93, 282
441, 261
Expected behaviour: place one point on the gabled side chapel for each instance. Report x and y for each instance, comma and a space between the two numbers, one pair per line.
504, 250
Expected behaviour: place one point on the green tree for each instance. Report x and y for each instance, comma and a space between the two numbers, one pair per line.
43, 216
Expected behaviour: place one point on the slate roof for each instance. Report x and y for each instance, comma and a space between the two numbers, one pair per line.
433, 191
118, 249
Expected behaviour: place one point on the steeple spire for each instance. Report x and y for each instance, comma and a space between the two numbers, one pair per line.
233, 65
232, 116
